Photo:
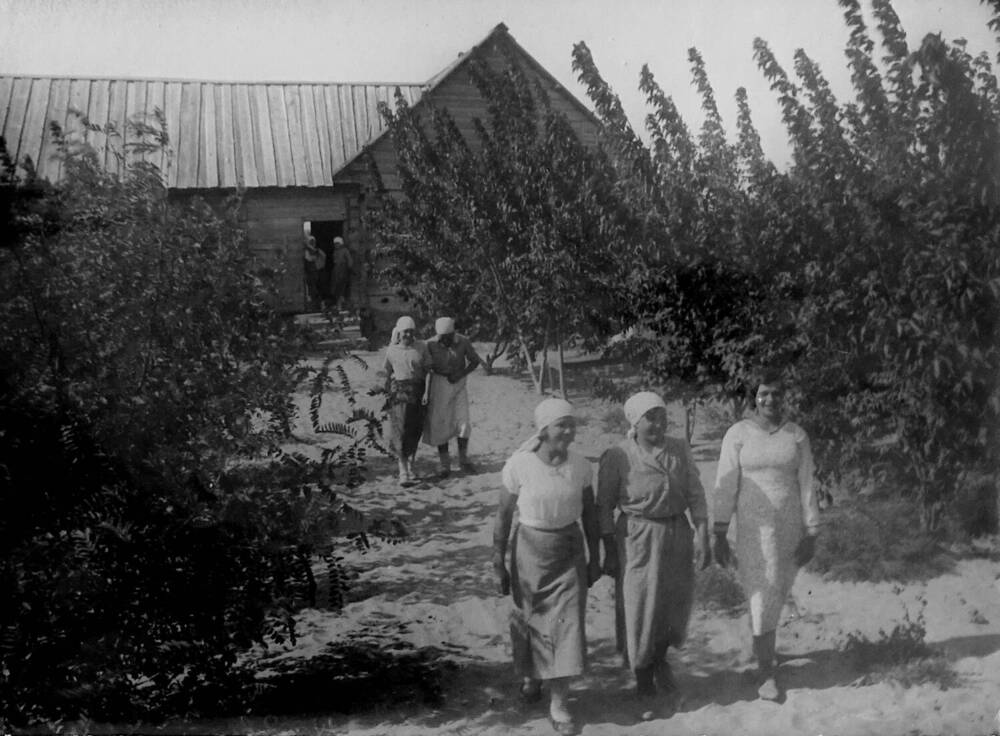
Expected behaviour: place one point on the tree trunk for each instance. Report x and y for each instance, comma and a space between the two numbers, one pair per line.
689, 417
544, 370
529, 363
562, 367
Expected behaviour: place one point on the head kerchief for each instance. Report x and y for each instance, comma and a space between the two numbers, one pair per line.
403, 323
546, 413
444, 326
637, 406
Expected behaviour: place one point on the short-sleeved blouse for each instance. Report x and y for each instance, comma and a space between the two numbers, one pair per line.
408, 361
548, 497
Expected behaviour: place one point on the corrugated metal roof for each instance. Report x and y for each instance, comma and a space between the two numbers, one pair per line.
221, 133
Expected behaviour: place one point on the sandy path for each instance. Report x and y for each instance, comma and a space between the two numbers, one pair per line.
439, 587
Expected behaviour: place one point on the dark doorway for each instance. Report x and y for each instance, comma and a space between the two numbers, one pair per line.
325, 231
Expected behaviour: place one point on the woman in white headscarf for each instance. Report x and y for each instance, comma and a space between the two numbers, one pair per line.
551, 488
652, 479
407, 367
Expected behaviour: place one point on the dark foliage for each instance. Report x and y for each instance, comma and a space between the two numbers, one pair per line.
153, 528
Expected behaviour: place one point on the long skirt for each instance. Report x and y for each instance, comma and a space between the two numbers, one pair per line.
768, 529
549, 588
406, 416
447, 411
655, 586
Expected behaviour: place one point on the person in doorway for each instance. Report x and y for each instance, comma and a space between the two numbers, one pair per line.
652, 479
765, 477
342, 271
314, 265
407, 368
452, 358
549, 572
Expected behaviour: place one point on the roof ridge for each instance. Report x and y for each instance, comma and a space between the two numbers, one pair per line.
186, 80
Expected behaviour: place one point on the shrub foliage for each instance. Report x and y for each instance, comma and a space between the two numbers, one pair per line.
153, 528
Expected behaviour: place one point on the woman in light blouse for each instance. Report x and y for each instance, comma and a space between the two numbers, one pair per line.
551, 488
765, 477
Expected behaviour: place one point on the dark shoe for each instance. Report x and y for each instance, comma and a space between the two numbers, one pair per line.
468, 467
644, 684
530, 692
665, 678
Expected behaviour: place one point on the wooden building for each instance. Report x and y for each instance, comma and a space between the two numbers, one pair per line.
296, 148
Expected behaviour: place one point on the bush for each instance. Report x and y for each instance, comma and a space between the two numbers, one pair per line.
976, 509
901, 656
718, 589
153, 528
877, 539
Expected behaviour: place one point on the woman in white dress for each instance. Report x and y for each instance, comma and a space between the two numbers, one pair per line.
765, 477
551, 488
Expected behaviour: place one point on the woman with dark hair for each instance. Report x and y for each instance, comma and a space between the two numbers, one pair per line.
765, 478
551, 488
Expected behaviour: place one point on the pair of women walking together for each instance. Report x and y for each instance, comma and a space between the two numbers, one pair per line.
651, 549
427, 393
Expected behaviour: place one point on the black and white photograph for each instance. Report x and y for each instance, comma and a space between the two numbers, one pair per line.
495, 367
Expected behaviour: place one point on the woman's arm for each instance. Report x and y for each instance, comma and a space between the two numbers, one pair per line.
387, 367
727, 488
608, 487
807, 486
501, 533
694, 492
592, 536
806, 548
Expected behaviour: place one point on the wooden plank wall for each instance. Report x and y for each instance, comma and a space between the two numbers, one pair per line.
273, 221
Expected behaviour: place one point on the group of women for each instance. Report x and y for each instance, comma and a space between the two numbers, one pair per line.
550, 557
427, 395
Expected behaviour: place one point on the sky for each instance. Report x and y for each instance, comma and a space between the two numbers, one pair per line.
411, 40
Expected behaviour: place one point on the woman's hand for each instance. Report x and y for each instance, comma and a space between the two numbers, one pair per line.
593, 571
805, 550
612, 565
702, 551
500, 570
425, 399
723, 555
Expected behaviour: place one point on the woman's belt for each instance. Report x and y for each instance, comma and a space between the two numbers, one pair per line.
657, 519
568, 527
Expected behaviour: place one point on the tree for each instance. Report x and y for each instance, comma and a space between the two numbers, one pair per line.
870, 268
510, 230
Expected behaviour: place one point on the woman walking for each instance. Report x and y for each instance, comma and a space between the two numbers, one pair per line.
407, 374
765, 477
551, 488
654, 482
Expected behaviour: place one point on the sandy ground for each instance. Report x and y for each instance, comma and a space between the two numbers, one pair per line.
438, 586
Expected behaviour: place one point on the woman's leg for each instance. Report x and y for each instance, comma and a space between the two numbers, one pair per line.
559, 705
764, 650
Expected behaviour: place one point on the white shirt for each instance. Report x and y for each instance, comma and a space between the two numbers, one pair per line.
548, 497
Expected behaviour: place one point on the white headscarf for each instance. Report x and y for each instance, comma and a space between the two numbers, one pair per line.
444, 326
637, 406
403, 323
546, 413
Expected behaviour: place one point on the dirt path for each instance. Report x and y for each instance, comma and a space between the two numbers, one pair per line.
437, 589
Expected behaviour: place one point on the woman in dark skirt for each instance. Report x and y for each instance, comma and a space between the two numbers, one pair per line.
551, 488
407, 370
